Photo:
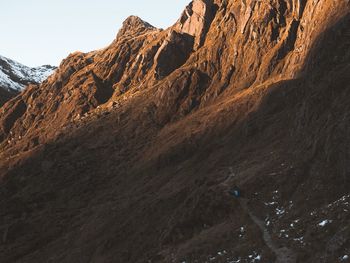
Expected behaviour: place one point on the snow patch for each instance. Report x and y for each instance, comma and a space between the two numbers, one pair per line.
345, 257
15, 76
324, 223
270, 203
280, 211
8, 83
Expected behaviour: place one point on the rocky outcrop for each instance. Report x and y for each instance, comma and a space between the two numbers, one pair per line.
134, 25
196, 19
185, 37
173, 53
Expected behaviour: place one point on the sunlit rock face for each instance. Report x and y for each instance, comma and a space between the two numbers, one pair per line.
195, 20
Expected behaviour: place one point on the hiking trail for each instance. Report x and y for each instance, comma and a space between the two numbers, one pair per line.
283, 254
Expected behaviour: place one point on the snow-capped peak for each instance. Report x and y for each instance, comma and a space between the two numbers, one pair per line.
15, 76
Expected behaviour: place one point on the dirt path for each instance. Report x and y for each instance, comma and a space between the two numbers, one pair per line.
283, 254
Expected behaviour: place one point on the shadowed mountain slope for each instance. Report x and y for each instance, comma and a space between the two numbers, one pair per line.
126, 154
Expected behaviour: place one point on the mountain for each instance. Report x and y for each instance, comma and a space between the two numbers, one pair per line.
138, 152
14, 77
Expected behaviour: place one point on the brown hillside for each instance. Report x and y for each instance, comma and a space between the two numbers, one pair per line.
127, 154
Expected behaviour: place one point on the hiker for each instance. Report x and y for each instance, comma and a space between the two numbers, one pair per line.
235, 191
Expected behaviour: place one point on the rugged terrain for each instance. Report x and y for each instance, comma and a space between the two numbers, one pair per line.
14, 77
127, 154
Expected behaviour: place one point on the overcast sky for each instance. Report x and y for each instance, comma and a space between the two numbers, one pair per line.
37, 32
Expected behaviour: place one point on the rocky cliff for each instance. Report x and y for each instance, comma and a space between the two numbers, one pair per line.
127, 154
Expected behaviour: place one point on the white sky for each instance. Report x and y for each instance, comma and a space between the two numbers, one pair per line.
37, 32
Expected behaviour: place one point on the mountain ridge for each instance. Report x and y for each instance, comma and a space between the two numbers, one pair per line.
14, 77
127, 154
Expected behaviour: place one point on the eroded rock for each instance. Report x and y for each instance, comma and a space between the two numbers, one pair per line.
196, 19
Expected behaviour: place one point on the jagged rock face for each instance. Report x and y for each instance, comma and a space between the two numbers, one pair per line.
195, 20
127, 153
134, 25
243, 44
81, 83
173, 53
